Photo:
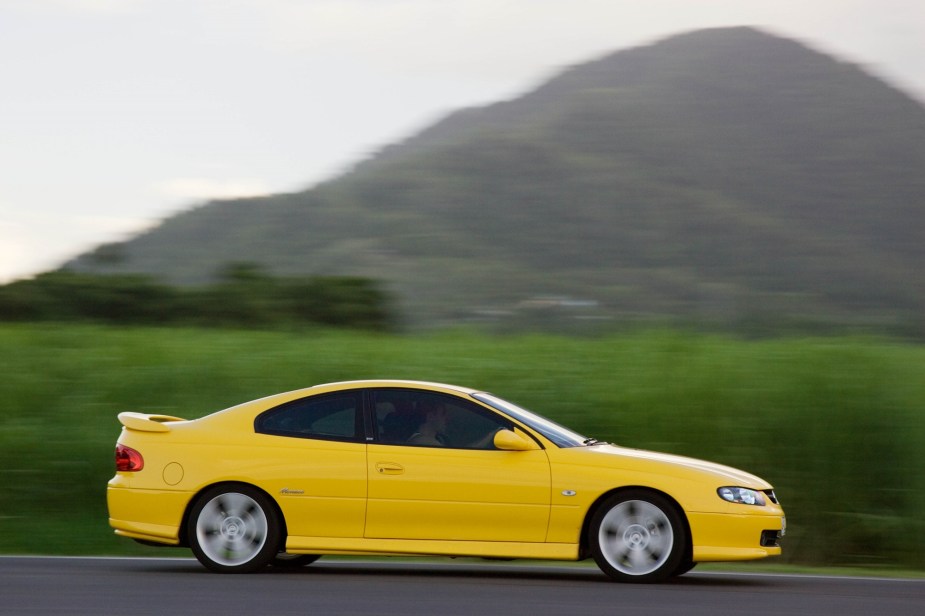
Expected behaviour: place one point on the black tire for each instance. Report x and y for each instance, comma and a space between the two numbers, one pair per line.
637, 536
293, 561
684, 567
234, 529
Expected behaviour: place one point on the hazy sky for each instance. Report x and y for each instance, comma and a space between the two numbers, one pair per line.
117, 113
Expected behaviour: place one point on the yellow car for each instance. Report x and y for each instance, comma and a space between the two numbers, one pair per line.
406, 467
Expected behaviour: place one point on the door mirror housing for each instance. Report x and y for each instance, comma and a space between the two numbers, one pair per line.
508, 440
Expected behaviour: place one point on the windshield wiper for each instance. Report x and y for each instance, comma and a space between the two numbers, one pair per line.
592, 441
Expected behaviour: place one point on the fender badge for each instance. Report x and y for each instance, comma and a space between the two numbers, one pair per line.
291, 492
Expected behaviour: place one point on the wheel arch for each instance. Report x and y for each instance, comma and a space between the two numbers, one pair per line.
584, 546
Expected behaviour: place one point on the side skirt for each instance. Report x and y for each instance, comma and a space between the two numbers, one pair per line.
407, 547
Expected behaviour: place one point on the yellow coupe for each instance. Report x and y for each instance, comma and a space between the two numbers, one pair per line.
405, 467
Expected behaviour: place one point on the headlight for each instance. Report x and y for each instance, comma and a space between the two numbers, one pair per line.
743, 496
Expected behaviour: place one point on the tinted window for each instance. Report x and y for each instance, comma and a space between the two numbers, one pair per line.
332, 416
428, 419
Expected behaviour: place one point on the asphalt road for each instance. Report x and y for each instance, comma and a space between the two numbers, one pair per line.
173, 587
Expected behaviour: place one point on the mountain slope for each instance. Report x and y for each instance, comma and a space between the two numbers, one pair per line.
723, 174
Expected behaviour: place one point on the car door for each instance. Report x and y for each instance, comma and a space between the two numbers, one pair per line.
315, 463
453, 485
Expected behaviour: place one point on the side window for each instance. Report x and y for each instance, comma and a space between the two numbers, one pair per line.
427, 419
334, 417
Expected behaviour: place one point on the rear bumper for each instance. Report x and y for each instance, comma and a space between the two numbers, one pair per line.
149, 515
145, 532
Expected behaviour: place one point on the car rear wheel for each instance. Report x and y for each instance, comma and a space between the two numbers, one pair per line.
637, 536
234, 529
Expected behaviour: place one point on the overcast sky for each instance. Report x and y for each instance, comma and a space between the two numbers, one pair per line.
115, 114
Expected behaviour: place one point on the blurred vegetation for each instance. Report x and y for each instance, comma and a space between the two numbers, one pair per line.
244, 296
726, 176
836, 424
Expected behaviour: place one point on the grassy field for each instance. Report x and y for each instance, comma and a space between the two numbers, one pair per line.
836, 424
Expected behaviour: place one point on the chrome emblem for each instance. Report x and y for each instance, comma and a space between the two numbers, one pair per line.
291, 492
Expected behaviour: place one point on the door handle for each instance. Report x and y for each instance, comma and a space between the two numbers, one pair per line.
389, 468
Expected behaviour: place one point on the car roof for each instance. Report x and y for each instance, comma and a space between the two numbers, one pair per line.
360, 384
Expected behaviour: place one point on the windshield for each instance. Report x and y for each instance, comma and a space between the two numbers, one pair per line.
560, 435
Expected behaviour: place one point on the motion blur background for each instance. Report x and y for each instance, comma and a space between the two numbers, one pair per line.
697, 227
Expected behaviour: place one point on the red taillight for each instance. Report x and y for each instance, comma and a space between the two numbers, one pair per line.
128, 460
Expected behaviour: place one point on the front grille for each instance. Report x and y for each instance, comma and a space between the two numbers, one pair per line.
770, 538
771, 496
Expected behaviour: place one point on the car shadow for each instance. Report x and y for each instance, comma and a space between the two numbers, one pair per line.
471, 569
488, 569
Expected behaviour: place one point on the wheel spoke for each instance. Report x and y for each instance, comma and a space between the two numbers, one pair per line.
638, 560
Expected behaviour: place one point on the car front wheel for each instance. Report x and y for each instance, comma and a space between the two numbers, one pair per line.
637, 536
234, 529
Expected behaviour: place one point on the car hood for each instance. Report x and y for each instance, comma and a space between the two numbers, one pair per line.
669, 464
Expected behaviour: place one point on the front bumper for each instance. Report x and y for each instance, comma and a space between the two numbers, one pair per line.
727, 537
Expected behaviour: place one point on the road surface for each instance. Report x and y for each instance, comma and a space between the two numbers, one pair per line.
177, 586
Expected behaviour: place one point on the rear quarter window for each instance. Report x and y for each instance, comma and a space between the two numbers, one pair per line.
331, 417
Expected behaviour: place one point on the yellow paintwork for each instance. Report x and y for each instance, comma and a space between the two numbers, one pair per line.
373, 498
501, 496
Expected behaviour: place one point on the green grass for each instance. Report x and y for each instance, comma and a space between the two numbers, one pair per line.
836, 424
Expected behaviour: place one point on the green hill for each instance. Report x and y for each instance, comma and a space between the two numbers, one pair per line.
723, 176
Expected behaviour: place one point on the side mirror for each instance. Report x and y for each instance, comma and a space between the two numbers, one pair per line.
508, 440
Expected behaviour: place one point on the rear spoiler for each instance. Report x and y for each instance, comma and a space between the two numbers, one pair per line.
147, 423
